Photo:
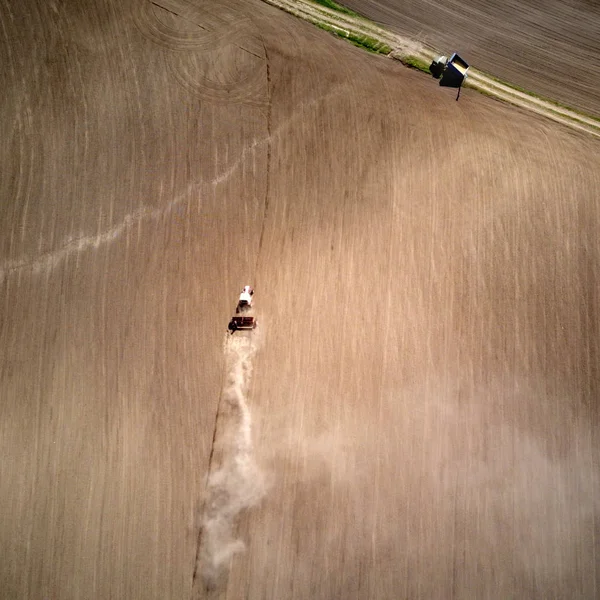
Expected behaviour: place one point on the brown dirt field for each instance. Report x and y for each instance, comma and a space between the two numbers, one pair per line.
551, 48
422, 415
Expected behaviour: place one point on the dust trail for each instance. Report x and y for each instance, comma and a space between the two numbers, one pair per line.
235, 482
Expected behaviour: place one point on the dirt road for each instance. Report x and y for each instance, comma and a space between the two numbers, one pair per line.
418, 414
551, 48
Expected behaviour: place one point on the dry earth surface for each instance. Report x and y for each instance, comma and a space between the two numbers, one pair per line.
416, 415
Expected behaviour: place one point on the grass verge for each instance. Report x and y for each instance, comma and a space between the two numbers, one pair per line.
362, 41
415, 63
338, 7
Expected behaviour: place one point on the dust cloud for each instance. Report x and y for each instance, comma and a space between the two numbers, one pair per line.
235, 481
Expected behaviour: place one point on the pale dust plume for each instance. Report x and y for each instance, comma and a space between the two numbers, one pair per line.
235, 483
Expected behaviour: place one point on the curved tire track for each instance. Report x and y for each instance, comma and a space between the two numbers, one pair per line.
203, 57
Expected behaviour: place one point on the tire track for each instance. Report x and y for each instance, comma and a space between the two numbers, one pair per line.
237, 484
70, 244
214, 55
269, 151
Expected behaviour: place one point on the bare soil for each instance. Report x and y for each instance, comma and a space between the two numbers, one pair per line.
418, 414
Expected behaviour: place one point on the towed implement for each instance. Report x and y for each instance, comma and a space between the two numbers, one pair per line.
241, 322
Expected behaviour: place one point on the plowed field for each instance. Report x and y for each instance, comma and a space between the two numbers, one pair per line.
416, 415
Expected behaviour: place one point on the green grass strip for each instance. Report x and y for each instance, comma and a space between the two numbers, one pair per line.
415, 63
362, 41
338, 7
